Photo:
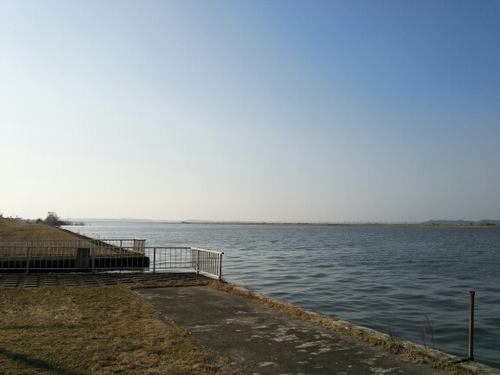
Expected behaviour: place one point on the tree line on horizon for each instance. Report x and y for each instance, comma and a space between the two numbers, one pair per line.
52, 219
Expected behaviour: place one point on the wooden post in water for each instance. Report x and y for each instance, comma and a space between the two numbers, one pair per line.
471, 326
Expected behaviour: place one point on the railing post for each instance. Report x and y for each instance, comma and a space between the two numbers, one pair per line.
154, 260
220, 266
471, 326
93, 259
28, 256
197, 261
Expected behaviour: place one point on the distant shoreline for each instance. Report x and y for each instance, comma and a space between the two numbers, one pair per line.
483, 224
374, 225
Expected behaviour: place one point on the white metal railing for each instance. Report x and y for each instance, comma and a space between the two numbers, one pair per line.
208, 262
136, 243
94, 255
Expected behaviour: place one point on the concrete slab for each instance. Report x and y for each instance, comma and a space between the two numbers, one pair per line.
260, 341
12, 281
31, 282
73, 279
51, 281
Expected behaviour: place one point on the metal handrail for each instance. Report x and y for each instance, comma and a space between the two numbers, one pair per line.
81, 256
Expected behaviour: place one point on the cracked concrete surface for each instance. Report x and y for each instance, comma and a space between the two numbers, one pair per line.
259, 341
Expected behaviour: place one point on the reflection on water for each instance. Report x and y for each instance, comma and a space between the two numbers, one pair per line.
369, 276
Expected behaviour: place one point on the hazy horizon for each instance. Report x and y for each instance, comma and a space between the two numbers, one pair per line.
78, 220
275, 111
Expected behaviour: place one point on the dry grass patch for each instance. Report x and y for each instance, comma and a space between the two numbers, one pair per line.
11, 229
94, 330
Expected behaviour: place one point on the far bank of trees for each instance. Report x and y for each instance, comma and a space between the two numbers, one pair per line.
54, 220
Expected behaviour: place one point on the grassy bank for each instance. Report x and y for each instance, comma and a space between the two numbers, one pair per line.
93, 330
11, 229
89, 330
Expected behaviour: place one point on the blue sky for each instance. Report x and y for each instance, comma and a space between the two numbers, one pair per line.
321, 111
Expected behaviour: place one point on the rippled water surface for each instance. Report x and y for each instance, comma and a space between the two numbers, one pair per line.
377, 277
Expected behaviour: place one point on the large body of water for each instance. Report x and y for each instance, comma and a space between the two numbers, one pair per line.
378, 277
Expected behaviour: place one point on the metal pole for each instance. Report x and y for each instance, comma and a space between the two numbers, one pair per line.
154, 260
28, 256
471, 326
197, 261
220, 266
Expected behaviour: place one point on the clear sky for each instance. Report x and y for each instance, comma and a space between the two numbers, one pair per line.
276, 110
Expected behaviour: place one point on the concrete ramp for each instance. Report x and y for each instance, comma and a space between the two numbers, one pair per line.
258, 340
